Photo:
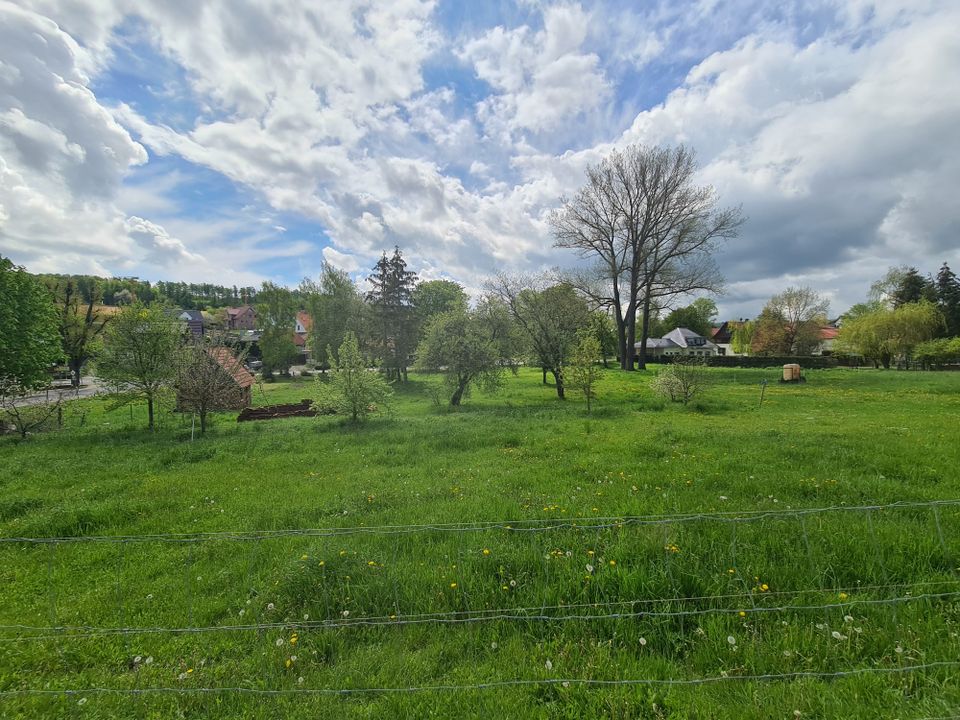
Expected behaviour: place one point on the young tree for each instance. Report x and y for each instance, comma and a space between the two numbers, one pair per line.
463, 346
584, 373
29, 344
81, 324
276, 315
391, 300
549, 317
205, 378
790, 323
352, 390
606, 333
140, 353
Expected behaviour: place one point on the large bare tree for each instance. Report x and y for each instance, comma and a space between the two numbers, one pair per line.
651, 232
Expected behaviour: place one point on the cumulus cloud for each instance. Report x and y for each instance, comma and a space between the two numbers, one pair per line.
831, 122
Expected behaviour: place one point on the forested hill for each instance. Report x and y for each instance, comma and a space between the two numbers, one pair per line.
120, 291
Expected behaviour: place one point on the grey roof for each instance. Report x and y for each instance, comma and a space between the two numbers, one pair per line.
660, 343
192, 315
683, 336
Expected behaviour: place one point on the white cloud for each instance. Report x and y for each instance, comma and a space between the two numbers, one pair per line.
831, 122
542, 79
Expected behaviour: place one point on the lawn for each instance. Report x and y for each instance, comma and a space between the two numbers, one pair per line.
496, 557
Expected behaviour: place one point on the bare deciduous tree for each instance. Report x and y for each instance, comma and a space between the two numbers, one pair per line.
651, 230
207, 379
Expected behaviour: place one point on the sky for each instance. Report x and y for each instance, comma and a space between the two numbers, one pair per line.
236, 141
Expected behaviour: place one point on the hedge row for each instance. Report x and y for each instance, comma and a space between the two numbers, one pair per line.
809, 362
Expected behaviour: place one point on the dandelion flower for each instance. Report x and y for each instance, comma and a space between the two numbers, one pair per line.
613, 562
843, 596
293, 639
288, 662
764, 587
486, 551
303, 557
372, 563
742, 613
453, 585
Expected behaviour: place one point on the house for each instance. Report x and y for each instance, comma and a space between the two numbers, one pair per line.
194, 321
301, 332
828, 335
241, 318
680, 341
722, 336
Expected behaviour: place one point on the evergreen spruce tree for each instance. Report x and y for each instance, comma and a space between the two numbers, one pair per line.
948, 296
391, 299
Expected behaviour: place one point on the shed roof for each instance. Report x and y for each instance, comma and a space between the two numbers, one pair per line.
228, 361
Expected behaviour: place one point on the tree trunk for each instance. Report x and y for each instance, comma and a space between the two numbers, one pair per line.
150, 412
885, 359
630, 351
544, 369
203, 421
644, 331
74, 374
458, 393
558, 378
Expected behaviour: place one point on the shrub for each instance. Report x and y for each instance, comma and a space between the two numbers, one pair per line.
682, 380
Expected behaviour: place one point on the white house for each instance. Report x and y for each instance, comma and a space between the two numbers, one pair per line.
680, 341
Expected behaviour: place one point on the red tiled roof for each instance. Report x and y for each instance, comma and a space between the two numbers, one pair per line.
828, 333
305, 320
230, 363
299, 340
238, 310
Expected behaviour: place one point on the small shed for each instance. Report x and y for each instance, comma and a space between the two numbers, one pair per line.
241, 376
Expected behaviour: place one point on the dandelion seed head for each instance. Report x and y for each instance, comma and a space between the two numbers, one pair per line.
642, 641
731, 639
548, 665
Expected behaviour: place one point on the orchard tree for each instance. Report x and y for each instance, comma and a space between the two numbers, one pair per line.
140, 354
584, 372
29, 342
205, 380
790, 323
549, 317
462, 345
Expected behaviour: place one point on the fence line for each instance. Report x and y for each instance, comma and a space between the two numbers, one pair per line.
490, 685
528, 525
452, 618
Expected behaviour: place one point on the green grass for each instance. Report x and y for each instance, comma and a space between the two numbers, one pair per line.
846, 438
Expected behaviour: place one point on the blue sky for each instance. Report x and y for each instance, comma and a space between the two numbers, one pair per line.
236, 142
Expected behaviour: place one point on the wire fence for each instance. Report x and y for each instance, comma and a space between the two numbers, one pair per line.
751, 582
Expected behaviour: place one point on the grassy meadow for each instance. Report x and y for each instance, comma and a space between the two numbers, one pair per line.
515, 539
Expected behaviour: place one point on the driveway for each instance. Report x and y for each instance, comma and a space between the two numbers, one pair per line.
89, 387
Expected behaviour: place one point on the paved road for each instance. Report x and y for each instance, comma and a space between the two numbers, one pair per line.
89, 388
